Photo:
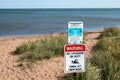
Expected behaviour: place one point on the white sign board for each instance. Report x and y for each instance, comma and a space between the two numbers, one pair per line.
74, 58
75, 32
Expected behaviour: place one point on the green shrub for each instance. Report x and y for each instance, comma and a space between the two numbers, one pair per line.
91, 73
110, 32
43, 48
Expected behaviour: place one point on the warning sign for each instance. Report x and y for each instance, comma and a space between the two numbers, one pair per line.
75, 32
74, 58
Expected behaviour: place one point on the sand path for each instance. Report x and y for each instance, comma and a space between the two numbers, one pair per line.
51, 69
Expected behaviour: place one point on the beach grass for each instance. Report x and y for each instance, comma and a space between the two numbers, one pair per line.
108, 64
104, 63
107, 54
110, 32
108, 44
108, 59
43, 49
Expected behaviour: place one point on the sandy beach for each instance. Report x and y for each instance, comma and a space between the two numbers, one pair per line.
48, 69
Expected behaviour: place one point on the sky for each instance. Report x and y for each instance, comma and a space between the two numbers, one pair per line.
59, 3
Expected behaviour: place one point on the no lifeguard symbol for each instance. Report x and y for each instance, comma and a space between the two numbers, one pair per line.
74, 58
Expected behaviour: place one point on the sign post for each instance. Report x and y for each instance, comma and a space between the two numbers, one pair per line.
74, 57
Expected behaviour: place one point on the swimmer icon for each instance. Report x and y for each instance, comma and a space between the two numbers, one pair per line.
76, 61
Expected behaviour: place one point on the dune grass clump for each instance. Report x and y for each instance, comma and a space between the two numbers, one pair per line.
107, 54
43, 48
109, 65
110, 32
109, 40
109, 44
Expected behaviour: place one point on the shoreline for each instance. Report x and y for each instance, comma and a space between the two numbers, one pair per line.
42, 35
38, 36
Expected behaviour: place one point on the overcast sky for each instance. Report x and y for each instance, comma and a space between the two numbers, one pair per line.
59, 3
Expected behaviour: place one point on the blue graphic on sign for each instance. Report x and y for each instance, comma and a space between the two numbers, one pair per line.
75, 32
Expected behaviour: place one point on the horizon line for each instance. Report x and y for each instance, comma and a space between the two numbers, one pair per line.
59, 8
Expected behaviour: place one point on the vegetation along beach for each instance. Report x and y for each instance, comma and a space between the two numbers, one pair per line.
41, 57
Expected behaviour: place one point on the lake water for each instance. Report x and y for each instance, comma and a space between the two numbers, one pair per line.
15, 22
